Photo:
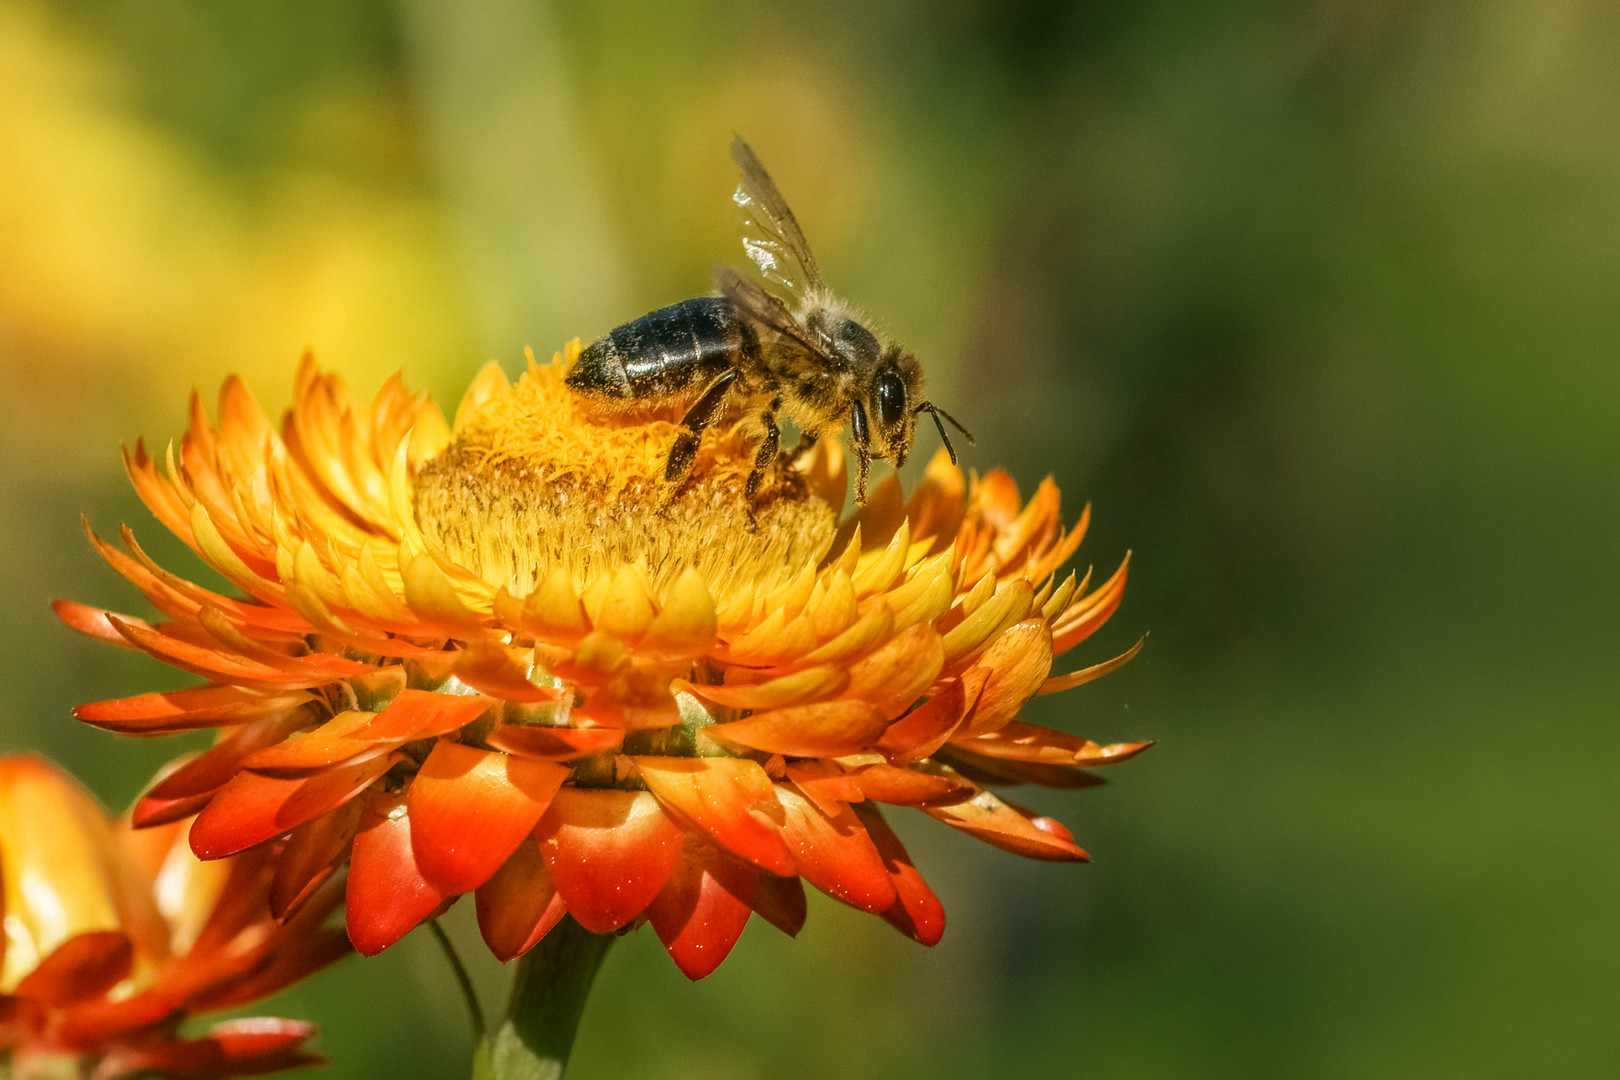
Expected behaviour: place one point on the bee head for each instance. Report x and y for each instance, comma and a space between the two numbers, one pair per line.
891, 402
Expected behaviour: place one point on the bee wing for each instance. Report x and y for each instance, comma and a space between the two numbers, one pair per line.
755, 303
771, 234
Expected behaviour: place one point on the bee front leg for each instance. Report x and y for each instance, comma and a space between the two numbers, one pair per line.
765, 453
861, 439
705, 411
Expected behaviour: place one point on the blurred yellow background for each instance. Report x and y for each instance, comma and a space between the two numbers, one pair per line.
1316, 302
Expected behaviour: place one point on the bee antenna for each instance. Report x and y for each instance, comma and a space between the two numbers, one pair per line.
936, 412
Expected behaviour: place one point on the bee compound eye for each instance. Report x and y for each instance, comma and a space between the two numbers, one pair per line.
891, 399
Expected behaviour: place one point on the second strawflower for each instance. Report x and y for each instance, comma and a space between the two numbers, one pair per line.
485, 657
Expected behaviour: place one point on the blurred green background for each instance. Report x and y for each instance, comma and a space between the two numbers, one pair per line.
1315, 302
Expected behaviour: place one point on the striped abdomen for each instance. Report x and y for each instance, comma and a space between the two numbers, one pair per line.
672, 352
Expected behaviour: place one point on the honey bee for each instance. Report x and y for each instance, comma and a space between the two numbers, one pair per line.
749, 350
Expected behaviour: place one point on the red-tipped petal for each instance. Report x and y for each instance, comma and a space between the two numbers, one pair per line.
388, 895
252, 808
519, 905
780, 902
731, 799
994, 822
916, 912
703, 908
247, 1047
835, 854
609, 852
471, 808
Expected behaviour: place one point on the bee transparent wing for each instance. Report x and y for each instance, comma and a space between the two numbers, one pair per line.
753, 302
771, 234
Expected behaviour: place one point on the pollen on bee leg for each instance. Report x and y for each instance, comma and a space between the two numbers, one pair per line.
534, 482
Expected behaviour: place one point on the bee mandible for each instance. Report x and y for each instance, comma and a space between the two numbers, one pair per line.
749, 350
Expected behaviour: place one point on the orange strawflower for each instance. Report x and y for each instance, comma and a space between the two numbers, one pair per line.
490, 657
114, 937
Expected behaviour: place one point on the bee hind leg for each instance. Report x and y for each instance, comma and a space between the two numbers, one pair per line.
708, 408
764, 453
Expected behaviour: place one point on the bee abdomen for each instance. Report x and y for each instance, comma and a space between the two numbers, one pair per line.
669, 352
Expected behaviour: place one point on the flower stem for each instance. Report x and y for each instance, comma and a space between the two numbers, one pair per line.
543, 1013
463, 980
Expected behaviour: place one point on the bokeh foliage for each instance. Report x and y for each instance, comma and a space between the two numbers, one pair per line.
1314, 301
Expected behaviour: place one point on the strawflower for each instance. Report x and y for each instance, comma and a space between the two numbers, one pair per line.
495, 657
114, 937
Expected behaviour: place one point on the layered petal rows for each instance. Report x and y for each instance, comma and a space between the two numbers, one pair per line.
114, 937
487, 658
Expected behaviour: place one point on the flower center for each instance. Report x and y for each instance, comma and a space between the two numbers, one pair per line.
533, 481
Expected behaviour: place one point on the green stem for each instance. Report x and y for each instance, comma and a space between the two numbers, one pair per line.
548, 998
463, 980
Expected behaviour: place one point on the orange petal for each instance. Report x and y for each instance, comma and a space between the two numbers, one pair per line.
214, 767
1017, 663
84, 966
496, 671
702, 909
916, 912
422, 714
333, 742
185, 710
554, 743
387, 895
996, 771
824, 783
926, 728
728, 798
1086, 616
994, 822
907, 787
896, 675
828, 729
311, 856
806, 685
519, 905
1027, 742
252, 808
835, 854
609, 852
91, 622
470, 809
1096, 671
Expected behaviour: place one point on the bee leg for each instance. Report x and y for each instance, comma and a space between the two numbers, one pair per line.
861, 439
765, 453
705, 411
